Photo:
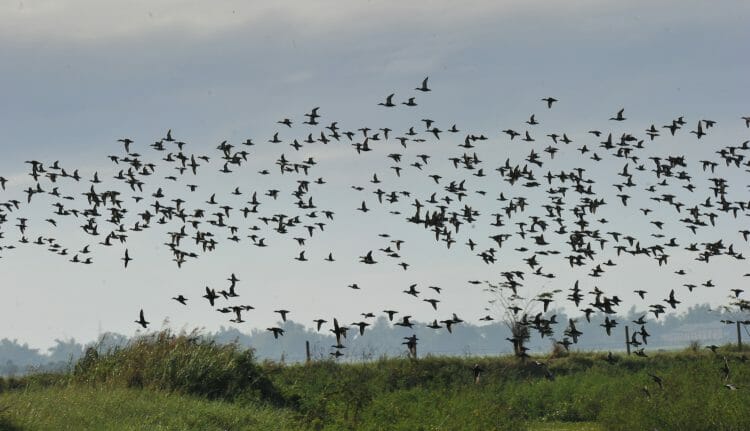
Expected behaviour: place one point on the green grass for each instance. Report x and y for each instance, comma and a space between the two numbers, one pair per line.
98, 408
166, 381
563, 426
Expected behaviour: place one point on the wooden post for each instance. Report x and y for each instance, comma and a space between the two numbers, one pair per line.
627, 339
411, 345
307, 351
739, 337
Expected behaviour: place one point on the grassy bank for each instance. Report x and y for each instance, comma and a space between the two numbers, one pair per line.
98, 408
184, 382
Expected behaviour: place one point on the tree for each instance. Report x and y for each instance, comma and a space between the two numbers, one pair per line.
65, 351
513, 310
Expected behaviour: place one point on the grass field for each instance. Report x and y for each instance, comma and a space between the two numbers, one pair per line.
168, 382
82, 408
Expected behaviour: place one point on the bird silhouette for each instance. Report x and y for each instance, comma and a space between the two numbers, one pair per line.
388, 101
211, 295
276, 331
283, 314
423, 87
619, 116
142, 321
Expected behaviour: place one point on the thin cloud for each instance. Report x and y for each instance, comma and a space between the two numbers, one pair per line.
92, 20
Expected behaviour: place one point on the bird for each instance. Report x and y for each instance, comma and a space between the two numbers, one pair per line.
423, 87
211, 295
412, 290
126, 142
126, 259
368, 259
362, 326
698, 132
405, 322
671, 300
410, 102
434, 325
550, 101
619, 116
319, 323
390, 314
142, 321
388, 101
283, 314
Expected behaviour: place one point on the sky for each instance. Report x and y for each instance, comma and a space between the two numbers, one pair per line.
80, 74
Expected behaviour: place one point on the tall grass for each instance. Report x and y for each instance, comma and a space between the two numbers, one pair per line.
432, 393
693, 397
440, 393
186, 363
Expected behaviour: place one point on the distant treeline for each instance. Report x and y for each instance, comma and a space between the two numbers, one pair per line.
699, 324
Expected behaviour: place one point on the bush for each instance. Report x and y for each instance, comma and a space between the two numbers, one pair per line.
186, 363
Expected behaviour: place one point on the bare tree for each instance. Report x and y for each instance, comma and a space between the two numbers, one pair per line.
512, 309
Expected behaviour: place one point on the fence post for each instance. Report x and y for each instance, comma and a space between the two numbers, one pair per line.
627, 339
307, 351
739, 337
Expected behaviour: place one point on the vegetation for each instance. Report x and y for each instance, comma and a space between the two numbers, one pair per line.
188, 364
168, 381
76, 407
669, 331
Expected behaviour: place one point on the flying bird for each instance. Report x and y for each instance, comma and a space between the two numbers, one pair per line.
142, 320
423, 87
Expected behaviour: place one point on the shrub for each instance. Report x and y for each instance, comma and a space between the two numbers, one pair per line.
187, 363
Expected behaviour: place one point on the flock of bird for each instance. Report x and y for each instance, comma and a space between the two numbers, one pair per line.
560, 222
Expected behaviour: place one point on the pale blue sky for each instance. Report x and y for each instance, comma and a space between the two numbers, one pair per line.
79, 74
